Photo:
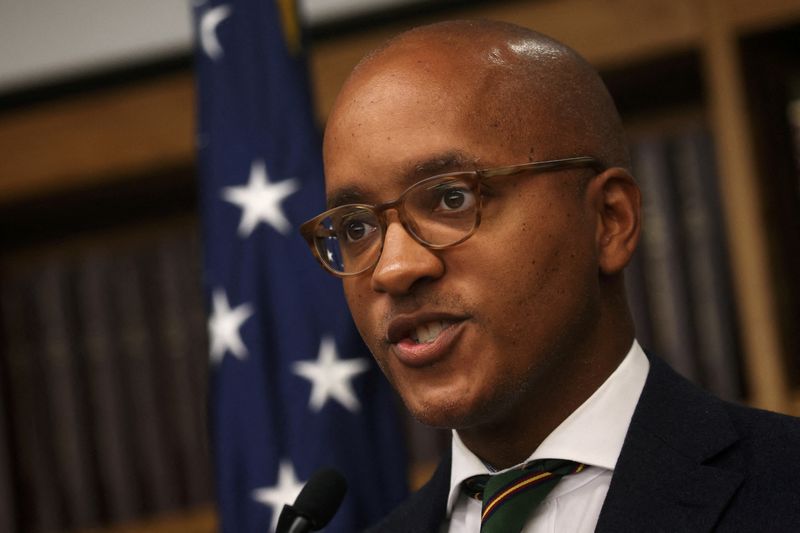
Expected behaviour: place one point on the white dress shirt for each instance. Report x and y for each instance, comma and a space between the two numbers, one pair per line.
593, 434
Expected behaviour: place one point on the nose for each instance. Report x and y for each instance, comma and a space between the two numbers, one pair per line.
404, 262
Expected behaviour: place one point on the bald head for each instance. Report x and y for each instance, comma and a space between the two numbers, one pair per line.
507, 81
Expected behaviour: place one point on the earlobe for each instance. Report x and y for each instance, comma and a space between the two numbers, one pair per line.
618, 204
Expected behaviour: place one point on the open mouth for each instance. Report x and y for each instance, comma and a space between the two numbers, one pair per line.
422, 340
430, 331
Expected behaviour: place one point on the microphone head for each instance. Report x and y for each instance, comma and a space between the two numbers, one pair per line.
321, 497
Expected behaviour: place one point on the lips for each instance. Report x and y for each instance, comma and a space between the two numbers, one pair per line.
423, 339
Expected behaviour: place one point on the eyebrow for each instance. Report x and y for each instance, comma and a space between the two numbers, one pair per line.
446, 162
450, 161
346, 195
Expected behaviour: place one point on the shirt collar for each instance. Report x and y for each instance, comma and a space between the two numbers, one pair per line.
593, 434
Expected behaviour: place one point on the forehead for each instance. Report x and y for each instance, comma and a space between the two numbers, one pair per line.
405, 85
415, 109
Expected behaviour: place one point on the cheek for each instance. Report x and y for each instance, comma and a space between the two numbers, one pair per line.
544, 272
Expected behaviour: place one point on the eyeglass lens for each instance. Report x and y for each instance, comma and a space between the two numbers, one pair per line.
437, 212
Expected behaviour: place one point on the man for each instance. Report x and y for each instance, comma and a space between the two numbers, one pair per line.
482, 216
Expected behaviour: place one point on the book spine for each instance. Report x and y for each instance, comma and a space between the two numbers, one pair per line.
112, 436
793, 112
8, 501
194, 311
707, 267
144, 406
40, 508
68, 416
636, 289
663, 268
173, 281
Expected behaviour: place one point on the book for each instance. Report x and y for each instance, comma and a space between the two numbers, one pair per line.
662, 257
112, 437
636, 289
708, 275
144, 406
39, 498
185, 406
8, 501
63, 390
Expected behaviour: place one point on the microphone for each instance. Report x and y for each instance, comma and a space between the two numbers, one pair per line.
316, 504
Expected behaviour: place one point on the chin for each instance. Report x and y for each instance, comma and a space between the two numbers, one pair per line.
444, 413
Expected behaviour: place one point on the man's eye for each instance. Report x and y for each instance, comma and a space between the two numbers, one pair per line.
355, 230
456, 199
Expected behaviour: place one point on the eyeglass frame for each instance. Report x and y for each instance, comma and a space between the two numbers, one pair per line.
308, 227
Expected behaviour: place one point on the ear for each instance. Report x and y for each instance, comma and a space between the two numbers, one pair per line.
617, 201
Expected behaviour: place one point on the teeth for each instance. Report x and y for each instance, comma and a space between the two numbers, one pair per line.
427, 333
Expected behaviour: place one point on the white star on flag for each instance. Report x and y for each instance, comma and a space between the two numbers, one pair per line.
208, 30
260, 200
223, 327
331, 377
285, 491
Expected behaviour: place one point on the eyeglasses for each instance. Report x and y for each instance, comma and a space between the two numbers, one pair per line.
438, 212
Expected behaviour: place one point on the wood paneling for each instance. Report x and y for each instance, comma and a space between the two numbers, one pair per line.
747, 15
79, 141
740, 198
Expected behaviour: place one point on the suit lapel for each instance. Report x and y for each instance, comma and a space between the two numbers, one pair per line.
425, 510
431, 501
665, 478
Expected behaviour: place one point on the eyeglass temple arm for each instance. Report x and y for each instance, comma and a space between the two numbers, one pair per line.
556, 164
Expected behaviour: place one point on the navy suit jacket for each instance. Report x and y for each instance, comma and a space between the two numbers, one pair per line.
690, 462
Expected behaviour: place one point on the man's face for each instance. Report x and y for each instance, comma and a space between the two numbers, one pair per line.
474, 334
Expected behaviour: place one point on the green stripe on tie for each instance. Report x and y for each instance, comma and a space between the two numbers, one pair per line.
509, 498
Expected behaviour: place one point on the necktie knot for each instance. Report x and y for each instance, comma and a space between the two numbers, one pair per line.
508, 498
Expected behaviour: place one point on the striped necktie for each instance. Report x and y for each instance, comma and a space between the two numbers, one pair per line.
508, 499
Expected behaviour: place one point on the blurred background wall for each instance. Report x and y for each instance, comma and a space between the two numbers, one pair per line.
102, 324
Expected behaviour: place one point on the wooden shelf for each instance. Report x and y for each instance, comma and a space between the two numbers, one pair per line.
92, 138
203, 520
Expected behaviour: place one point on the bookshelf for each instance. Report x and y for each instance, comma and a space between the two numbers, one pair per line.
770, 60
124, 143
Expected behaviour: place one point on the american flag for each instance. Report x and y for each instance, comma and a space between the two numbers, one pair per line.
292, 386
